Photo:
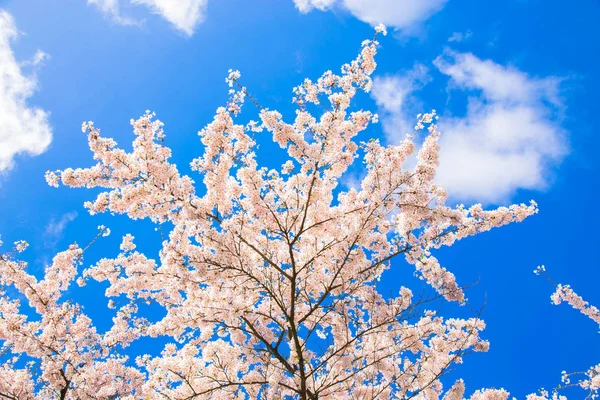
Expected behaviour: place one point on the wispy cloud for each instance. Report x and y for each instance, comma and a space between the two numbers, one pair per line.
460, 36
400, 14
38, 59
112, 9
184, 15
509, 138
23, 128
55, 228
396, 92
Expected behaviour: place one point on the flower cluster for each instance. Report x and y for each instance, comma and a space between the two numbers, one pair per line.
590, 379
21, 246
565, 293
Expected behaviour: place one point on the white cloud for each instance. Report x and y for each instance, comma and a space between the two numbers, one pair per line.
38, 58
184, 15
23, 128
497, 83
55, 228
112, 9
395, 92
401, 14
509, 138
307, 5
460, 36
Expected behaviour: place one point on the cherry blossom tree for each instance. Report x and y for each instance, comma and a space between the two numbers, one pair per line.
268, 282
588, 380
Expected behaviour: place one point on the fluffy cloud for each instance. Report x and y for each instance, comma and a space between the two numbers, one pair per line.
399, 14
509, 138
396, 92
23, 128
184, 15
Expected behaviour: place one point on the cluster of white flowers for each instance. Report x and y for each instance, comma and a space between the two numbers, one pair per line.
381, 28
539, 270
21, 246
233, 76
104, 230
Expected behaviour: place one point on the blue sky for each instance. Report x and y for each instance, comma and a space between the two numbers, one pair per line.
515, 82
